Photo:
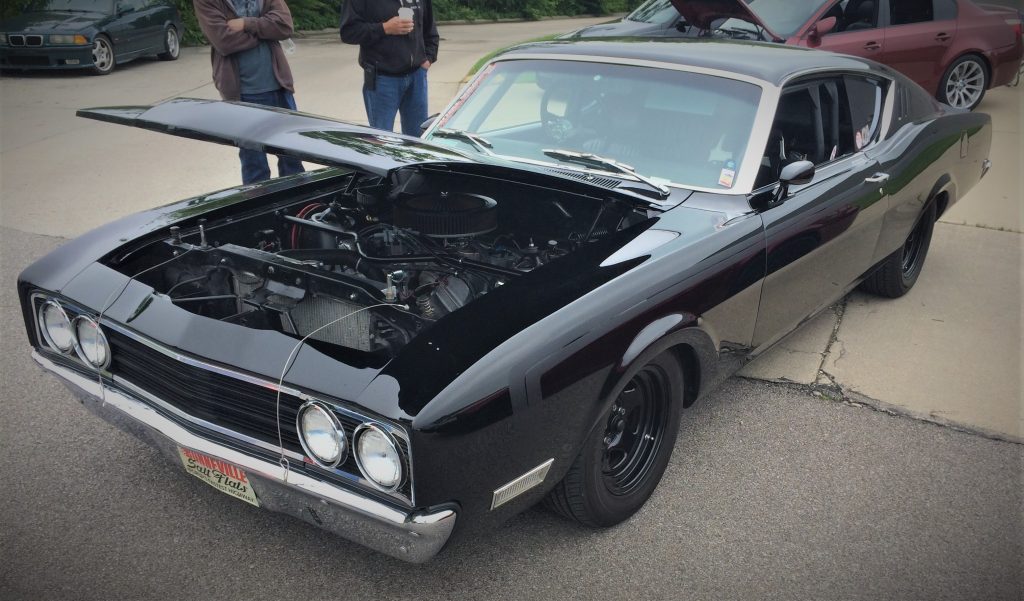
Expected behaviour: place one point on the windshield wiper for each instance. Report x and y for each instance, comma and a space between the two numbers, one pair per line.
742, 34
478, 142
592, 160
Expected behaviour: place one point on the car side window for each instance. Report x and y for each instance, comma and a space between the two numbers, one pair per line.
854, 15
808, 126
861, 115
905, 12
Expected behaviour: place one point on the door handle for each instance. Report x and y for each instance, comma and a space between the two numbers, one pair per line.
877, 178
943, 37
872, 46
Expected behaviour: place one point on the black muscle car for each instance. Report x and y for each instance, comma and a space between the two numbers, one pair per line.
437, 334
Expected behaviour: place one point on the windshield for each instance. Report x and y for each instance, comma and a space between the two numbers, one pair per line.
672, 126
784, 17
655, 11
99, 6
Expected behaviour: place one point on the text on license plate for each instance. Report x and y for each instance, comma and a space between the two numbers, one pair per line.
218, 474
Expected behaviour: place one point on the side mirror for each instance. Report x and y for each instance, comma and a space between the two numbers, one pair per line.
430, 121
794, 174
821, 28
797, 174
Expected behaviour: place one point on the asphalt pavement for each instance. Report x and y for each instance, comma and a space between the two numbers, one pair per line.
809, 488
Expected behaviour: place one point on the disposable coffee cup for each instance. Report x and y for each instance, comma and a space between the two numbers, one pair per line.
405, 13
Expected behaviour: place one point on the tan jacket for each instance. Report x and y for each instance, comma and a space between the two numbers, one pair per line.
273, 25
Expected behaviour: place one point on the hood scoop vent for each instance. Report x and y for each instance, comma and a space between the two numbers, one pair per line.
597, 180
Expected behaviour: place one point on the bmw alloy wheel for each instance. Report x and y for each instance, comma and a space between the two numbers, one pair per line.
172, 45
102, 55
965, 84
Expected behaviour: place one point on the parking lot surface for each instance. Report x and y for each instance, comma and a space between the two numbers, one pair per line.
791, 488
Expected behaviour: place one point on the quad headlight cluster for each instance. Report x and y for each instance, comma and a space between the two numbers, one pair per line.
80, 334
376, 452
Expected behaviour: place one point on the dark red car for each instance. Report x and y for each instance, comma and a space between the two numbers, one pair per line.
955, 49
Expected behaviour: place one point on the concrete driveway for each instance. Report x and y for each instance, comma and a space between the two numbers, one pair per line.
777, 489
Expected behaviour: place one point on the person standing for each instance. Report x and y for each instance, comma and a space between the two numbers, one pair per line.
249, 65
398, 43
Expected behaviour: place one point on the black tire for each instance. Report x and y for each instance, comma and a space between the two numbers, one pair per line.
172, 45
103, 56
964, 83
606, 484
899, 271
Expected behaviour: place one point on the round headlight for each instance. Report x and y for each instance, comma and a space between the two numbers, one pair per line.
378, 457
92, 342
321, 435
56, 327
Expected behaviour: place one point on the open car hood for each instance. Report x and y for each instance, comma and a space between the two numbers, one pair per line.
324, 141
279, 131
703, 12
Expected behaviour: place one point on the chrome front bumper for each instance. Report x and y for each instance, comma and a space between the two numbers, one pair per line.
410, 536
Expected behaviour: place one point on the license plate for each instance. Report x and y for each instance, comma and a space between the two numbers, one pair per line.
218, 474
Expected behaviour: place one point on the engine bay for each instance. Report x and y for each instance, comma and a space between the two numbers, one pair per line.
370, 263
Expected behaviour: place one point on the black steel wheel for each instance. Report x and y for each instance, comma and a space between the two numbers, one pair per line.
625, 456
899, 271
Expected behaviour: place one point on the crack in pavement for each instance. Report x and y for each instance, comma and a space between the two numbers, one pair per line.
982, 226
828, 387
833, 391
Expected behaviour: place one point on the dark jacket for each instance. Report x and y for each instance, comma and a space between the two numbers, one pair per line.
362, 22
274, 24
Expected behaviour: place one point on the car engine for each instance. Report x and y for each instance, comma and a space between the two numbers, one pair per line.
370, 265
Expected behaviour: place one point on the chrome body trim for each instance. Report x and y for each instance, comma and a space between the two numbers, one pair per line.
523, 483
413, 536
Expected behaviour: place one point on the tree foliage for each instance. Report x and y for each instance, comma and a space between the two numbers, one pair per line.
323, 14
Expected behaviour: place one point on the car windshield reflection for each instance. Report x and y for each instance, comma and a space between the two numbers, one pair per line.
672, 126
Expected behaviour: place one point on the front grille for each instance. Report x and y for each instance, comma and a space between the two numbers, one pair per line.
16, 40
235, 404
221, 400
33, 40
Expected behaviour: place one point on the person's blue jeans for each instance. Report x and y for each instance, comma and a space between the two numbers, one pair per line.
405, 94
255, 167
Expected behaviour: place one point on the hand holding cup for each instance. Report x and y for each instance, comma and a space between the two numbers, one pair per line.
401, 24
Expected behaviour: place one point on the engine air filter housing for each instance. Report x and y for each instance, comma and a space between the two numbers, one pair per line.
447, 215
